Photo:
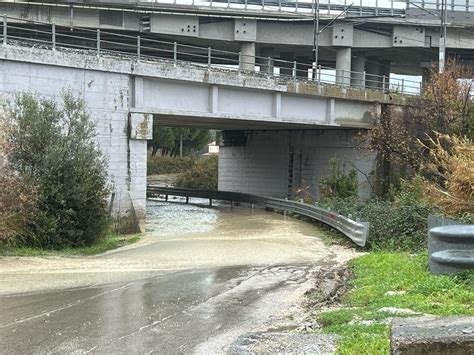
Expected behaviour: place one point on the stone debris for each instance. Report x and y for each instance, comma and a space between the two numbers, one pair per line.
284, 342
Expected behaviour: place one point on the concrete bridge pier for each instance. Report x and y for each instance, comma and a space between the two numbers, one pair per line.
358, 69
343, 66
247, 50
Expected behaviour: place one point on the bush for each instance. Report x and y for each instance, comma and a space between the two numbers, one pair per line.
202, 176
17, 198
338, 184
397, 225
168, 165
53, 150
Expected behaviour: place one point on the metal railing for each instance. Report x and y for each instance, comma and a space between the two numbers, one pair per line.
21, 32
354, 230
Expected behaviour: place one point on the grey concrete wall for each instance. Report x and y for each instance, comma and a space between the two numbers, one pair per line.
108, 101
277, 163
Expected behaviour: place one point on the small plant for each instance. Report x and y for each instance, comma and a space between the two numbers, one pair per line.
338, 184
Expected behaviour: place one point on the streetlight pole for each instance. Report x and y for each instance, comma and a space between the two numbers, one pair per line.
442, 36
316, 39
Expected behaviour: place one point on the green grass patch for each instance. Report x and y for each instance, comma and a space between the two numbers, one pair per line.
110, 242
379, 272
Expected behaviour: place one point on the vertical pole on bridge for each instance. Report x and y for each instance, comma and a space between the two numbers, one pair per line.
5, 34
210, 202
294, 70
175, 53
53, 35
209, 56
187, 199
319, 74
240, 62
139, 49
270, 71
403, 86
98, 42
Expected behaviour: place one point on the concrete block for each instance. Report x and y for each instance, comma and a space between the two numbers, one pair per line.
434, 336
141, 126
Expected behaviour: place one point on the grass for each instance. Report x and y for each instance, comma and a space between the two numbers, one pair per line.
379, 272
111, 241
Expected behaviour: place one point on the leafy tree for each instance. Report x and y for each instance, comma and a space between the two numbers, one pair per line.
53, 149
167, 139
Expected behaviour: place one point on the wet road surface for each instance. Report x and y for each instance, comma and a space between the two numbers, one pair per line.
199, 279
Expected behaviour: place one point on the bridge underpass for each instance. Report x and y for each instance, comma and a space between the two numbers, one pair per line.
292, 128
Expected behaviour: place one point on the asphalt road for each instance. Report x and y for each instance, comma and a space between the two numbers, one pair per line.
194, 289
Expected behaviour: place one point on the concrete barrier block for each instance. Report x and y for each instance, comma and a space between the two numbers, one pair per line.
432, 335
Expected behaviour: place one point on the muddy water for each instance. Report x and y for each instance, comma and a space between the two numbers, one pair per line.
178, 237
198, 280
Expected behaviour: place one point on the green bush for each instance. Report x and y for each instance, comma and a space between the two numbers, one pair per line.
53, 149
338, 184
202, 176
168, 165
392, 226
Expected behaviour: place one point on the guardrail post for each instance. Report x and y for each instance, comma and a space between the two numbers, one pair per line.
294, 69
240, 62
5, 30
98, 42
209, 56
403, 86
363, 79
139, 49
53, 35
319, 74
383, 83
269, 63
175, 53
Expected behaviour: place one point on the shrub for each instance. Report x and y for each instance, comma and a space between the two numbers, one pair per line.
167, 165
202, 176
338, 184
17, 198
449, 175
394, 225
53, 149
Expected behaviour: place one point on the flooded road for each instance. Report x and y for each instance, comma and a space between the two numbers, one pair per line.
198, 279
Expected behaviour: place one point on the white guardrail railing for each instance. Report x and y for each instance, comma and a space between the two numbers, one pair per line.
355, 230
21, 32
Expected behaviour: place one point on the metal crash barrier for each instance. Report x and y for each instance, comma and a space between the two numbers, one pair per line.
354, 230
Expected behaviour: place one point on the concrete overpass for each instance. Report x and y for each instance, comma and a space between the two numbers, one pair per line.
379, 37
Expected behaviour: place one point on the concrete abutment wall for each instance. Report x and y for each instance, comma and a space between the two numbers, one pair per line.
277, 163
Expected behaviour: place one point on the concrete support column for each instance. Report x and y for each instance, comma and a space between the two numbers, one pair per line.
357, 75
376, 70
343, 66
247, 50
266, 64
